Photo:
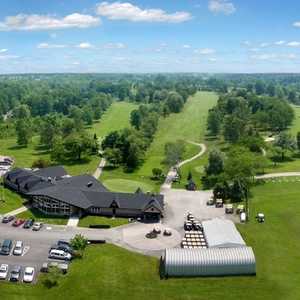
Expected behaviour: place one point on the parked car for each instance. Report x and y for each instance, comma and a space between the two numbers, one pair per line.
59, 254
229, 209
7, 219
62, 247
28, 224
18, 249
3, 271
28, 275
15, 273
62, 242
18, 222
37, 226
6, 247
167, 232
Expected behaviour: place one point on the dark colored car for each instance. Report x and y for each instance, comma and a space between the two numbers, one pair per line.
28, 224
6, 247
18, 222
7, 219
15, 273
64, 243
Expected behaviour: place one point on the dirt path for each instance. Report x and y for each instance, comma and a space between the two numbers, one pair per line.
276, 175
99, 169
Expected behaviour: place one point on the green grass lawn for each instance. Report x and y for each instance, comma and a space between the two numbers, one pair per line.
111, 273
116, 117
98, 220
189, 125
295, 128
40, 217
9, 200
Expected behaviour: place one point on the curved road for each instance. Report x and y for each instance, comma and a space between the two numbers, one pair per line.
172, 173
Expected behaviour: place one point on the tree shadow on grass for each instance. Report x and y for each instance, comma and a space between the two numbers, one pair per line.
17, 147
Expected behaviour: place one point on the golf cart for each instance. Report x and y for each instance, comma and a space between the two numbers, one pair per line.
260, 217
229, 209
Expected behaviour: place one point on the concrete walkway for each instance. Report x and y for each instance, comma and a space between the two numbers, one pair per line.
17, 211
73, 221
99, 169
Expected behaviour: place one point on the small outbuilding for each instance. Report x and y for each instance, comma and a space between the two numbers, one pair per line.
222, 233
208, 262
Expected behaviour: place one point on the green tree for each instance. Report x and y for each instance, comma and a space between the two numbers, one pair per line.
157, 173
286, 143
23, 130
215, 163
78, 144
174, 152
58, 153
113, 156
79, 242
214, 122
298, 140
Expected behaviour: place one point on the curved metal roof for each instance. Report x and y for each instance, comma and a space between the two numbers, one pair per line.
209, 262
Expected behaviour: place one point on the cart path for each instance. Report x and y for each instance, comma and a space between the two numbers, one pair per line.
276, 175
172, 173
17, 211
99, 169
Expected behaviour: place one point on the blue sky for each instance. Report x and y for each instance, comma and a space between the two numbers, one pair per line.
149, 36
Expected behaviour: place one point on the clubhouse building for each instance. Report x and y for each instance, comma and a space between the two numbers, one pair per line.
54, 192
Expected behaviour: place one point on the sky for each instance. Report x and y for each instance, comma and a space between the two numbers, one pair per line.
139, 36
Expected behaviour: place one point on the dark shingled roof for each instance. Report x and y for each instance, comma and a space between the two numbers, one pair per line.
83, 191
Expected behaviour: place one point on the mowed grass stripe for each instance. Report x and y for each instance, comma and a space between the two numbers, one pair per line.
189, 125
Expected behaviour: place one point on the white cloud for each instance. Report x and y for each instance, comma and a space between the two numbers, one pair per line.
6, 57
76, 63
46, 22
3, 50
275, 56
293, 44
296, 24
186, 46
254, 49
264, 45
205, 51
130, 12
212, 59
279, 43
85, 45
114, 46
50, 46
221, 6
246, 43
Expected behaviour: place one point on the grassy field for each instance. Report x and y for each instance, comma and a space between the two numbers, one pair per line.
295, 128
9, 200
97, 220
189, 125
111, 273
40, 217
117, 117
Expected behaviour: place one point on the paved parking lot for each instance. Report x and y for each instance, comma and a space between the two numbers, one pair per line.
179, 202
35, 251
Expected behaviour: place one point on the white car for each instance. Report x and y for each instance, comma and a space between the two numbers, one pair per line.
3, 271
18, 249
37, 226
59, 254
28, 274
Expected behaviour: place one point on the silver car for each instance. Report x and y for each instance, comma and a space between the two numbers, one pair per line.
18, 249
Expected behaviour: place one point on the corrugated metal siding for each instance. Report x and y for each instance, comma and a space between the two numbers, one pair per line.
209, 262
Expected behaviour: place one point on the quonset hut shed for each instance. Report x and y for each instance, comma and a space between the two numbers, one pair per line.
208, 262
